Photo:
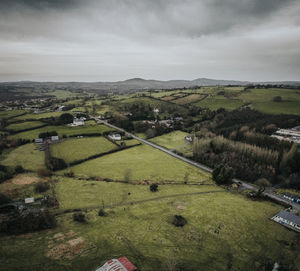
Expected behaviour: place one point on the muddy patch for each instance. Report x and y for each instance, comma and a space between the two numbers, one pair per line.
66, 246
21, 179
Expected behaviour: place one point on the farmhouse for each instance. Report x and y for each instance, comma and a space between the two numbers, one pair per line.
121, 264
288, 220
292, 135
54, 138
78, 122
115, 136
189, 138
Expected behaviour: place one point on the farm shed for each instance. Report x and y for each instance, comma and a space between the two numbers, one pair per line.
38, 140
121, 264
54, 138
288, 220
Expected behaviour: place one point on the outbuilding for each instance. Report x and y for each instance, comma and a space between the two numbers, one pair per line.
38, 140
288, 220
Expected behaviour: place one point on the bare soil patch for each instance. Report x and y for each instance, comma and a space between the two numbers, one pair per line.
22, 179
61, 248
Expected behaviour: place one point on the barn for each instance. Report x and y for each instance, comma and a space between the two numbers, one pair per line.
288, 220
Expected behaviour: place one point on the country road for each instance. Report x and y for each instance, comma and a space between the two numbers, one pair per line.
245, 185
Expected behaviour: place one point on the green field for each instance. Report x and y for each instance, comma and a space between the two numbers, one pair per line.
76, 149
28, 156
172, 140
24, 125
224, 231
31, 116
188, 99
62, 130
219, 101
144, 163
10, 113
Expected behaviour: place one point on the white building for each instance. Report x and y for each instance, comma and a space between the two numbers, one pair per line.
78, 122
115, 137
288, 220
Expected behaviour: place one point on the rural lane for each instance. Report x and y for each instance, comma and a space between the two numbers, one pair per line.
245, 185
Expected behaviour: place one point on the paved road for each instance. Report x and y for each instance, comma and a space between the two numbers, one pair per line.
198, 165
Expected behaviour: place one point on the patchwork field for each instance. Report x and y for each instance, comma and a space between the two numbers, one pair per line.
10, 113
140, 163
63, 130
31, 116
28, 156
76, 149
188, 99
223, 231
219, 101
24, 125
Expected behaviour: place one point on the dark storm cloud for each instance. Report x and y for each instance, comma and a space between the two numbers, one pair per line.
149, 38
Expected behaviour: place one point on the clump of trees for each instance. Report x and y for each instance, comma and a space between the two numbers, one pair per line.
223, 175
47, 134
42, 187
4, 199
57, 163
29, 221
79, 217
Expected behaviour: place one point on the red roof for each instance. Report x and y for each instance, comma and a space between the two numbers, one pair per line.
127, 264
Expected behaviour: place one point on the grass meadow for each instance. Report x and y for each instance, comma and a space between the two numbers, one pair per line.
143, 163
28, 156
80, 148
171, 140
24, 125
224, 231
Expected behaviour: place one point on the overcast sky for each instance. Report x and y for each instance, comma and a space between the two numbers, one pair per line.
110, 40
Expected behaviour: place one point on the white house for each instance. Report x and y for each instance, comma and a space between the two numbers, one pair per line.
78, 122
115, 137
29, 200
54, 138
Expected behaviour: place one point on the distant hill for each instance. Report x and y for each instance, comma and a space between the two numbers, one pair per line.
133, 85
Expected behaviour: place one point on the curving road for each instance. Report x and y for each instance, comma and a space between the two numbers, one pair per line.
245, 185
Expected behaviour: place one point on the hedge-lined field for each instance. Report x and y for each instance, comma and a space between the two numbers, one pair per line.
143, 163
24, 125
75, 149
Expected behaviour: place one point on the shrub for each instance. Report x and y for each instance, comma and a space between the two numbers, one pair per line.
41, 187
102, 212
19, 169
154, 187
223, 175
179, 221
65, 118
57, 163
79, 217
69, 174
4, 199
277, 99
42, 172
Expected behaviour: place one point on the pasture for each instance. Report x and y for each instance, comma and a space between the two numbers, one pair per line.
143, 163
24, 125
11, 113
32, 116
219, 101
224, 231
192, 98
75, 149
62, 130
171, 141
28, 156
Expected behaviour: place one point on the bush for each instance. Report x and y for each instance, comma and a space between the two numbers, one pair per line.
69, 174
102, 212
154, 187
41, 187
57, 163
179, 221
277, 99
79, 217
19, 169
4, 199
65, 118
222, 175
42, 172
